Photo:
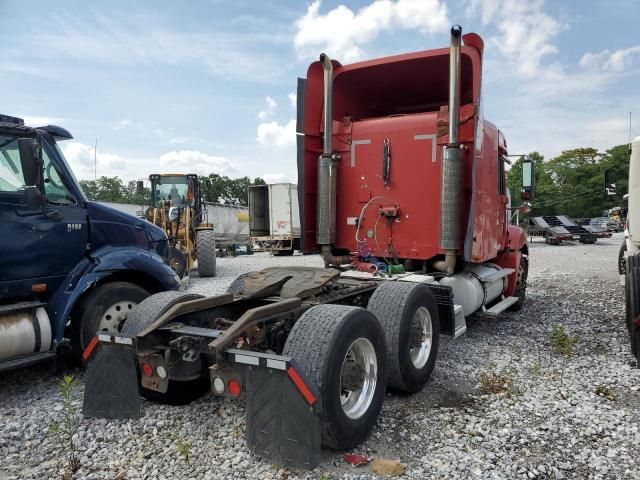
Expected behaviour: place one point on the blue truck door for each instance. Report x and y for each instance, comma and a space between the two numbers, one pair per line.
37, 246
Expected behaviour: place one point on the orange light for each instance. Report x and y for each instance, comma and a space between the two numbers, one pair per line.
234, 388
147, 370
39, 287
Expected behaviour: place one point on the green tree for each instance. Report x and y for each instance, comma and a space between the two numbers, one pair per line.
573, 182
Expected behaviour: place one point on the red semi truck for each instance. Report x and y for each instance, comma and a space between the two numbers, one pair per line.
402, 191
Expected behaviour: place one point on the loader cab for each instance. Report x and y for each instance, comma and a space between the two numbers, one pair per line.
176, 190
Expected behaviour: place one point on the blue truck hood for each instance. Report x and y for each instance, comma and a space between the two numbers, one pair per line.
109, 226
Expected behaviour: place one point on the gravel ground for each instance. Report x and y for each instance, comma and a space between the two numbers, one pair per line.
548, 423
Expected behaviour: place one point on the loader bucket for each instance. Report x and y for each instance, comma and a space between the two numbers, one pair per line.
111, 386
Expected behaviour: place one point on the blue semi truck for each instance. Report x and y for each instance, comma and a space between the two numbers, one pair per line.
68, 267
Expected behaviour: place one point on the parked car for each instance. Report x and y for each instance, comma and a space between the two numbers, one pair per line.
606, 224
598, 231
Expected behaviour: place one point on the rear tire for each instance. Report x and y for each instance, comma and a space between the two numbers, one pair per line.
206, 253
326, 339
147, 312
408, 313
632, 299
105, 308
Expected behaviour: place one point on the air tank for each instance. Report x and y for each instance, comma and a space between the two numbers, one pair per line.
23, 332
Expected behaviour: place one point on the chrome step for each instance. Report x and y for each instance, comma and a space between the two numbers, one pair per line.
503, 272
500, 307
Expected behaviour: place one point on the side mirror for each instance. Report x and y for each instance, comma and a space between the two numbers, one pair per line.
609, 183
528, 180
139, 187
31, 162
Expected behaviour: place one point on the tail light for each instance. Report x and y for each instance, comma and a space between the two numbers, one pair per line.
147, 370
234, 388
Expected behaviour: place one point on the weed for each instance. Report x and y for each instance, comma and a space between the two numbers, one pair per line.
64, 430
561, 341
604, 391
497, 382
184, 449
536, 368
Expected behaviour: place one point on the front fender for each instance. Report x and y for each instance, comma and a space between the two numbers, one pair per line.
517, 238
93, 270
510, 258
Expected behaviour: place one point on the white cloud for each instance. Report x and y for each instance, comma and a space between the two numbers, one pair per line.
194, 161
274, 134
525, 34
293, 100
342, 33
607, 60
40, 121
271, 106
81, 159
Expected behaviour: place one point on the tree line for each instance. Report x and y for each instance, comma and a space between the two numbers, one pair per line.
219, 189
573, 182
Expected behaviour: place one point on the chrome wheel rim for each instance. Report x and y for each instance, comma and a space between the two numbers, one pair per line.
358, 378
113, 318
421, 337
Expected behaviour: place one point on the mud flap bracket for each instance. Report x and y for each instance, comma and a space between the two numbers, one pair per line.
111, 386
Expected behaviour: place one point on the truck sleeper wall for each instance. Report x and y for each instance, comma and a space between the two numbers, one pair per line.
401, 101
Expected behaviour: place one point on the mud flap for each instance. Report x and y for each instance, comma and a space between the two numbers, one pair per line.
282, 416
111, 386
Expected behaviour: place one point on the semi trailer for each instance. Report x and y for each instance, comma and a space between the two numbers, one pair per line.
631, 251
402, 192
67, 265
274, 217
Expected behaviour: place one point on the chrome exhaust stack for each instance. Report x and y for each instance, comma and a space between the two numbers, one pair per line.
326, 209
451, 174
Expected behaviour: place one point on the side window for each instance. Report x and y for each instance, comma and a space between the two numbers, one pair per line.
53, 186
11, 178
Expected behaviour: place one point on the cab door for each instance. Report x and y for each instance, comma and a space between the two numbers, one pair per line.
38, 246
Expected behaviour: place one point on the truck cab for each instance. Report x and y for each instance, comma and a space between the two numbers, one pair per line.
66, 263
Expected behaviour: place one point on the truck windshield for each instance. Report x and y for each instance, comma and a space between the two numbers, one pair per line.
175, 189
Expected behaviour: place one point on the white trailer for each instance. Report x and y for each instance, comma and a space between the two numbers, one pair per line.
632, 246
274, 217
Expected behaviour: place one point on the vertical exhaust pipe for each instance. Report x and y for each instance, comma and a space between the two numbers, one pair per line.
326, 200
451, 174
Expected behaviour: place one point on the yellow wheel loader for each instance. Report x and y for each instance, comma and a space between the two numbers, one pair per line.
178, 208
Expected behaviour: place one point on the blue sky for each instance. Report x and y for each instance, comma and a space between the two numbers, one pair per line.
207, 86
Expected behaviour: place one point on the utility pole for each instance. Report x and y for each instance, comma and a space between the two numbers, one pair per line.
95, 161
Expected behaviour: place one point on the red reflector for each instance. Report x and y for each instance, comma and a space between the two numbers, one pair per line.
90, 348
299, 383
234, 388
147, 370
